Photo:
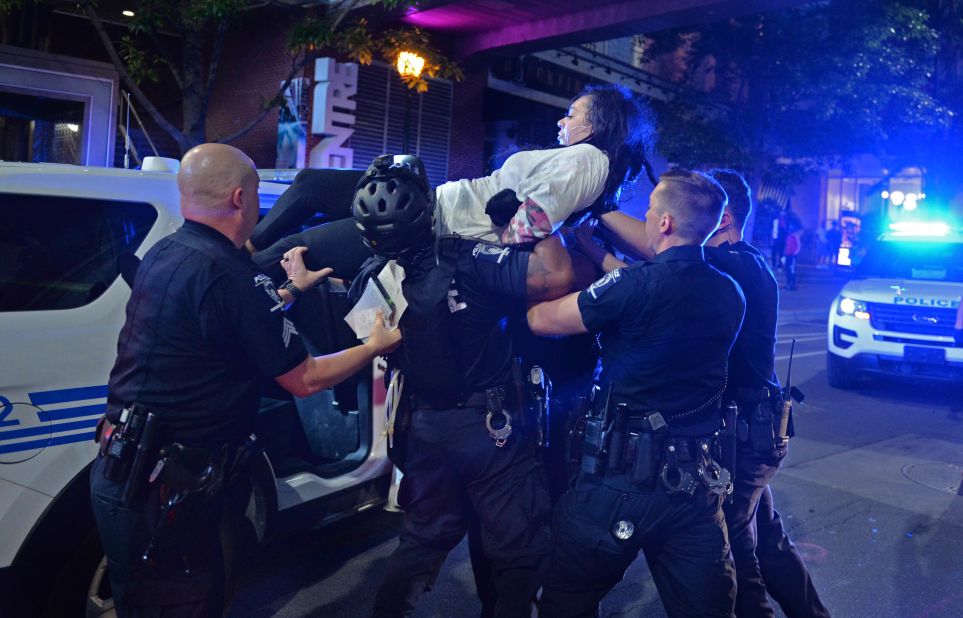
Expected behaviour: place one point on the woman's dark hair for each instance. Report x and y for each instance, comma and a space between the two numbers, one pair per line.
623, 127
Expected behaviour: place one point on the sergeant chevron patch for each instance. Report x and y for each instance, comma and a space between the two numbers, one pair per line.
288, 331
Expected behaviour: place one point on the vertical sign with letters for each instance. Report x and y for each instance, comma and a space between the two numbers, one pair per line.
333, 115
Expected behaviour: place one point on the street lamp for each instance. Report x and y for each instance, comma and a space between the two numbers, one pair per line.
409, 64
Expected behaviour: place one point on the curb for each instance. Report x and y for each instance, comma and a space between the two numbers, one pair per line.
803, 315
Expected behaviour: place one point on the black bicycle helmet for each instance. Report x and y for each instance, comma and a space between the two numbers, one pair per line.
392, 206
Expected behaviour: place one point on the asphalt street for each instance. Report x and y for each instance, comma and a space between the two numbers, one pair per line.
870, 493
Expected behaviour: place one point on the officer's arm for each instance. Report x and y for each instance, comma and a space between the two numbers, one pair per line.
320, 372
557, 317
550, 272
626, 232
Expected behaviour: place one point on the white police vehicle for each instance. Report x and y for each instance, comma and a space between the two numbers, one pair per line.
65, 234
897, 316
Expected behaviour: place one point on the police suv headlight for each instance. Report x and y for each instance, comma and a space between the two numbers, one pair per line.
853, 307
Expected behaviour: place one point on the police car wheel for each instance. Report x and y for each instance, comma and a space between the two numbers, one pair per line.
99, 602
839, 374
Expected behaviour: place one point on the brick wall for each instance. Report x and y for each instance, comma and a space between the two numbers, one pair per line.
254, 63
466, 158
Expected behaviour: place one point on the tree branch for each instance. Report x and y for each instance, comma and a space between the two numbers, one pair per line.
165, 58
115, 59
348, 7
296, 66
213, 66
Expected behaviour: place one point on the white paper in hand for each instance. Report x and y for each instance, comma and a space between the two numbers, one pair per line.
362, 317
390, 278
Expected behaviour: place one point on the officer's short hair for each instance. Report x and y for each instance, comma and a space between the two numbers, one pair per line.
695, 200
738, 192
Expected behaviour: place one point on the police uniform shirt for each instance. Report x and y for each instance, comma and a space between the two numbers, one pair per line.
488, 283
665, 328
203, 327
752, 361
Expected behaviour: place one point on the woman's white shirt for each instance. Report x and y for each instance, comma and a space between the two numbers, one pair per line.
561, 181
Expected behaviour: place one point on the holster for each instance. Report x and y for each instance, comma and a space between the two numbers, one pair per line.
594, 445
538, 396
728, 436
760, 414
189, 482
128, 447
575, 425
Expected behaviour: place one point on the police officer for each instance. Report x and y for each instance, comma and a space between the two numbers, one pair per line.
466, 455
203, 326
760, 449
650, 479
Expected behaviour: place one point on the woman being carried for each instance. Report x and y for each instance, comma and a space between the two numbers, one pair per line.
604, 141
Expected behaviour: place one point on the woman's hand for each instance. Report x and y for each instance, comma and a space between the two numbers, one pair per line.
383, 341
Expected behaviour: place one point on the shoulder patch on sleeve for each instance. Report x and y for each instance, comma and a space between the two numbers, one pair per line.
486, 252
599, 287
263, 281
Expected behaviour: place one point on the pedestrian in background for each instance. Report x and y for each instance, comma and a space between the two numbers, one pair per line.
834, 239
790, 253
822, 246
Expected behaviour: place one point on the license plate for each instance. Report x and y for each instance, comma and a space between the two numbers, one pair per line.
928, 356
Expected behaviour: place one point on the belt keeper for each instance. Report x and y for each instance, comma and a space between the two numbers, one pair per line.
654, 423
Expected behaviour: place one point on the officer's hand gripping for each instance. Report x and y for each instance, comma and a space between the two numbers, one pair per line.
383, 341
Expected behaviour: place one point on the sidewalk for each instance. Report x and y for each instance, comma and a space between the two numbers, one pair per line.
815, 291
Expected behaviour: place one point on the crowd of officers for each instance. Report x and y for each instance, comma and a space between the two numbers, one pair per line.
674, 446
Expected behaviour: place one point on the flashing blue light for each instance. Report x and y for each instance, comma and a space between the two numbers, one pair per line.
919, 228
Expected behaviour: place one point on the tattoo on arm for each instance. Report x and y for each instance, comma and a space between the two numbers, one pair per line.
550, 273
538, 282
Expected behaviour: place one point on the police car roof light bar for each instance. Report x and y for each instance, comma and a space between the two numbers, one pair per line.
919, 228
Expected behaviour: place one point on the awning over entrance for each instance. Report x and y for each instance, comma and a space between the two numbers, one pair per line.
487, 25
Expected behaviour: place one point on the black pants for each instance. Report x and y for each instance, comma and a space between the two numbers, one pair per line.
791, 272
783, 570
337, 244
315, 195
683, 539
555, 458
754, 471
454, 473
761, 549
324, 194
140, 591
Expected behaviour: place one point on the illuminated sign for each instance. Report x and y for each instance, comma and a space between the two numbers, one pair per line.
332, 114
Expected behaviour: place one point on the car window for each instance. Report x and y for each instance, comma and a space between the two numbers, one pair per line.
64, 252
934, 261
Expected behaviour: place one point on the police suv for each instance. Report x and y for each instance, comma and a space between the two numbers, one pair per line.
897, 316
68, 240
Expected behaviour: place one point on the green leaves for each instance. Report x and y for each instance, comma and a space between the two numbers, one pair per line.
355, 41
139, 63
393, 42
808, 85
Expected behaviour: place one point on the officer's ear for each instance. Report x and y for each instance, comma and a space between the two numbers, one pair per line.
237, 198
666, 224
727, 220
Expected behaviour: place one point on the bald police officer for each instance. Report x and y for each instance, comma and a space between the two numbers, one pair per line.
203, 327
